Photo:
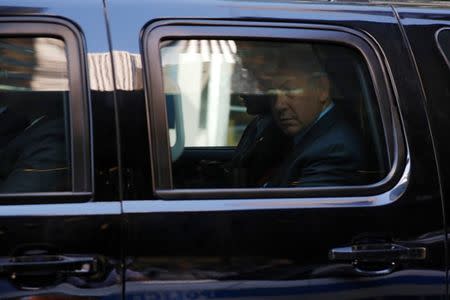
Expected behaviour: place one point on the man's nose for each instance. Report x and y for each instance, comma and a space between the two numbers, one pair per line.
280, 103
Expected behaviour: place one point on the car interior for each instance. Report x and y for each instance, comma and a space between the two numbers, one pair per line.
206, 167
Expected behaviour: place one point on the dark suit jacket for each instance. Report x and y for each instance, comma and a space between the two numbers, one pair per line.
34, 158
254, 160
330, 153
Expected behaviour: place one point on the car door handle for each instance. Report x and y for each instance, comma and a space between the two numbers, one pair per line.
48, 263
384, 252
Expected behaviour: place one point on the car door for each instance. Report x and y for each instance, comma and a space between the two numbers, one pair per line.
429, 43
282, 237
60, 240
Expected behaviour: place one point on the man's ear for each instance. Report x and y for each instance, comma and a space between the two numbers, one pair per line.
323, 89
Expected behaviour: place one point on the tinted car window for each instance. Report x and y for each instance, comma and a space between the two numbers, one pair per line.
288, 115
34, 135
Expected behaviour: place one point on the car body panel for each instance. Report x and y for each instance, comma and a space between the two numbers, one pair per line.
422, 27
283, 253
175, 249
70, 225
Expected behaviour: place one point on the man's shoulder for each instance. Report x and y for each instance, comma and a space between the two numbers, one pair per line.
334, 132
39, 133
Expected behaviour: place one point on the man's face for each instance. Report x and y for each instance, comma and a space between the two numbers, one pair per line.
298, 100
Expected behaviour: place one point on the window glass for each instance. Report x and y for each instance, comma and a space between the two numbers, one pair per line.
270, 114
34, 117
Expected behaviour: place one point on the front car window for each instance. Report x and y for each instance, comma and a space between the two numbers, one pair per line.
256, 114
34, 116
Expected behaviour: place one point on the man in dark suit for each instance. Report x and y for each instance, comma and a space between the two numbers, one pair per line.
328, 153
253, 160
33, 154
326, 150
304, 140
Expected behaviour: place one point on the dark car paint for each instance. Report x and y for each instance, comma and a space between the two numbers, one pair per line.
435, 78
291, 244
83, 229
242, 254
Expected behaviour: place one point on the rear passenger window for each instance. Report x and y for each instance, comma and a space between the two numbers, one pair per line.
270, 114
35, 153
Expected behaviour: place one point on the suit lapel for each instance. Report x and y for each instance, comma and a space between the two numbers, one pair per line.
321, 127
314, 133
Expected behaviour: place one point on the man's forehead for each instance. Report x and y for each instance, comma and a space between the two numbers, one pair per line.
293, 70
284, 77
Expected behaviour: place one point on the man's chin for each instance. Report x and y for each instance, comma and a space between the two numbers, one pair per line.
291, 130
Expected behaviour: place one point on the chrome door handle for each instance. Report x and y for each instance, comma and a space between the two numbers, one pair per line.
385, 252
48, 263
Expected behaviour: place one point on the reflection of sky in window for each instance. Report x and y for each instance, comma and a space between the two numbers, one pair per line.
84, 13
88, 15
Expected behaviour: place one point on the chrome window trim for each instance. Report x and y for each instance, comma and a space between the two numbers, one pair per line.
381, 79
214, 205
439, 46
62, 209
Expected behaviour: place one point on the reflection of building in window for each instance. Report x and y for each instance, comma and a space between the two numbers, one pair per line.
33, 64
127, 66
40, 64
204, 107
35, 148
204, 74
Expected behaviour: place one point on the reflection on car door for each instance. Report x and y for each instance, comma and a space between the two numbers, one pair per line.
354, 246
58, 240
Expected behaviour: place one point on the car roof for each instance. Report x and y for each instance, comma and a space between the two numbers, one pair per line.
419, 3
